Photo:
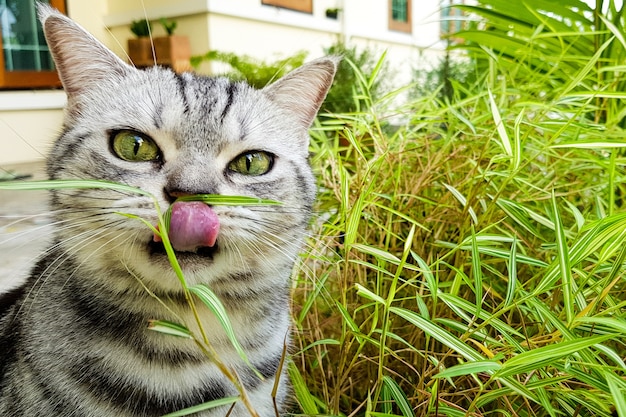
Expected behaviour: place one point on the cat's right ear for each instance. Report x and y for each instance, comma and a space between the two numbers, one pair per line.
81, 59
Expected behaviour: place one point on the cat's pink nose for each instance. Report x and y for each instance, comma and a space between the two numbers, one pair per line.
193, 225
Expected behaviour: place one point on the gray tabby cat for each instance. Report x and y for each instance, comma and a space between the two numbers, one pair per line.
74, 338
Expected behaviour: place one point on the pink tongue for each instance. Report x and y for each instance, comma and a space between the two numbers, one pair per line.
193, 225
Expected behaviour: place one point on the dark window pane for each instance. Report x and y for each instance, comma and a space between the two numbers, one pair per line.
23, 42
399, 10
46, 61
23, 60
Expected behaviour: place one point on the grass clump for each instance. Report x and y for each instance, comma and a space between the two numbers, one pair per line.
469, 257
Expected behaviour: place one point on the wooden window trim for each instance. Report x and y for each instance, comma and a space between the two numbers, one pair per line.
407, 26
305, 6
30, 79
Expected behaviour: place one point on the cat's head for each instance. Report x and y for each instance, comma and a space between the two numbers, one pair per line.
179, 134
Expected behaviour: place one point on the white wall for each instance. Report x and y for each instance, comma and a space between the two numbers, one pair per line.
31, 120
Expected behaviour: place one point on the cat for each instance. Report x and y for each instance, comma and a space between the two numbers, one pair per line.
73, 338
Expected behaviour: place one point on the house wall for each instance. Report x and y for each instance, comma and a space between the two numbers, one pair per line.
29, 121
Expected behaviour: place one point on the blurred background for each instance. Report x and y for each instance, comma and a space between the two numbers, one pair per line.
253, 39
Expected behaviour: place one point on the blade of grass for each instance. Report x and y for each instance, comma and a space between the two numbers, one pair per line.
531, 360
70, 184
211, 300
167, 327
203, 407
564, 263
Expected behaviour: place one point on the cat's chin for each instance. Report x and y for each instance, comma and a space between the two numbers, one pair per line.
205, 253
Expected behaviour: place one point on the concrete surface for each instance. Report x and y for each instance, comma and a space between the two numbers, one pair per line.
24, 226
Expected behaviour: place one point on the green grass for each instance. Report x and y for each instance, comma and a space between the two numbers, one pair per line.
471, 257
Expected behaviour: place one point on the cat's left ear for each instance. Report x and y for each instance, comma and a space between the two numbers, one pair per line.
303, 90
81, 59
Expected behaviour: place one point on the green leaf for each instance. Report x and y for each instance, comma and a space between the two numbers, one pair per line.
441, 335
512, 274
211, 300
399, 396
167, 327
70, 184
301, 391
229, 200
564, 263
469, 368
364, 292
377, 253
531, 360
497, 118
461, 198
202, 407
618, 391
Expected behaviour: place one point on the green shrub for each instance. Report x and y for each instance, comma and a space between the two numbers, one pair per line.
140, 28
168, 25
256, 72
343, 97
471, 262
443, 76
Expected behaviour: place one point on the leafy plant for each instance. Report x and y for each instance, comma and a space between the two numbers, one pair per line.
140, 28
573, 45
342, 97
168, 25
471, 261
443, 76
256, 72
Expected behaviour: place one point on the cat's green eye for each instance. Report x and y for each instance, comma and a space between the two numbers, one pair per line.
134, 147
252, 163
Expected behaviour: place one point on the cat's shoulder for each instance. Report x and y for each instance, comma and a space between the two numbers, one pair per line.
9, 298
9, 305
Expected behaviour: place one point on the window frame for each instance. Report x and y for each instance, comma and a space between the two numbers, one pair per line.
304, 6
396, 25
451, 24
14, 80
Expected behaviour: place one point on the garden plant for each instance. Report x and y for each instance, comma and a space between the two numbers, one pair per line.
468, 258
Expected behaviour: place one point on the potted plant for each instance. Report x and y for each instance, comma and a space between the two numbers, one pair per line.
172, 50
332, 13
140, 48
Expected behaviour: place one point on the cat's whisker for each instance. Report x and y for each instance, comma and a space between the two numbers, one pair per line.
67, 251
104, 245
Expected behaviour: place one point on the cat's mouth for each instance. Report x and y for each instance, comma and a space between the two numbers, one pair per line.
193, 230
157, 248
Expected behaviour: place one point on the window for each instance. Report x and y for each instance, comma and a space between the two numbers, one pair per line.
400, 15
25, 61
299, 5
451, 18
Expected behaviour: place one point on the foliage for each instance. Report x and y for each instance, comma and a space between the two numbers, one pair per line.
471, 262
168, 25
566, 45
341, 96
140, 28
441, 78
256, 72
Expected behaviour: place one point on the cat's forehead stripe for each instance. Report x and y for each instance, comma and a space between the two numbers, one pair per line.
157, 117
230, 93
181, 83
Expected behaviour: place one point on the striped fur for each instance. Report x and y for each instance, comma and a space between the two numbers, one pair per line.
74, 338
